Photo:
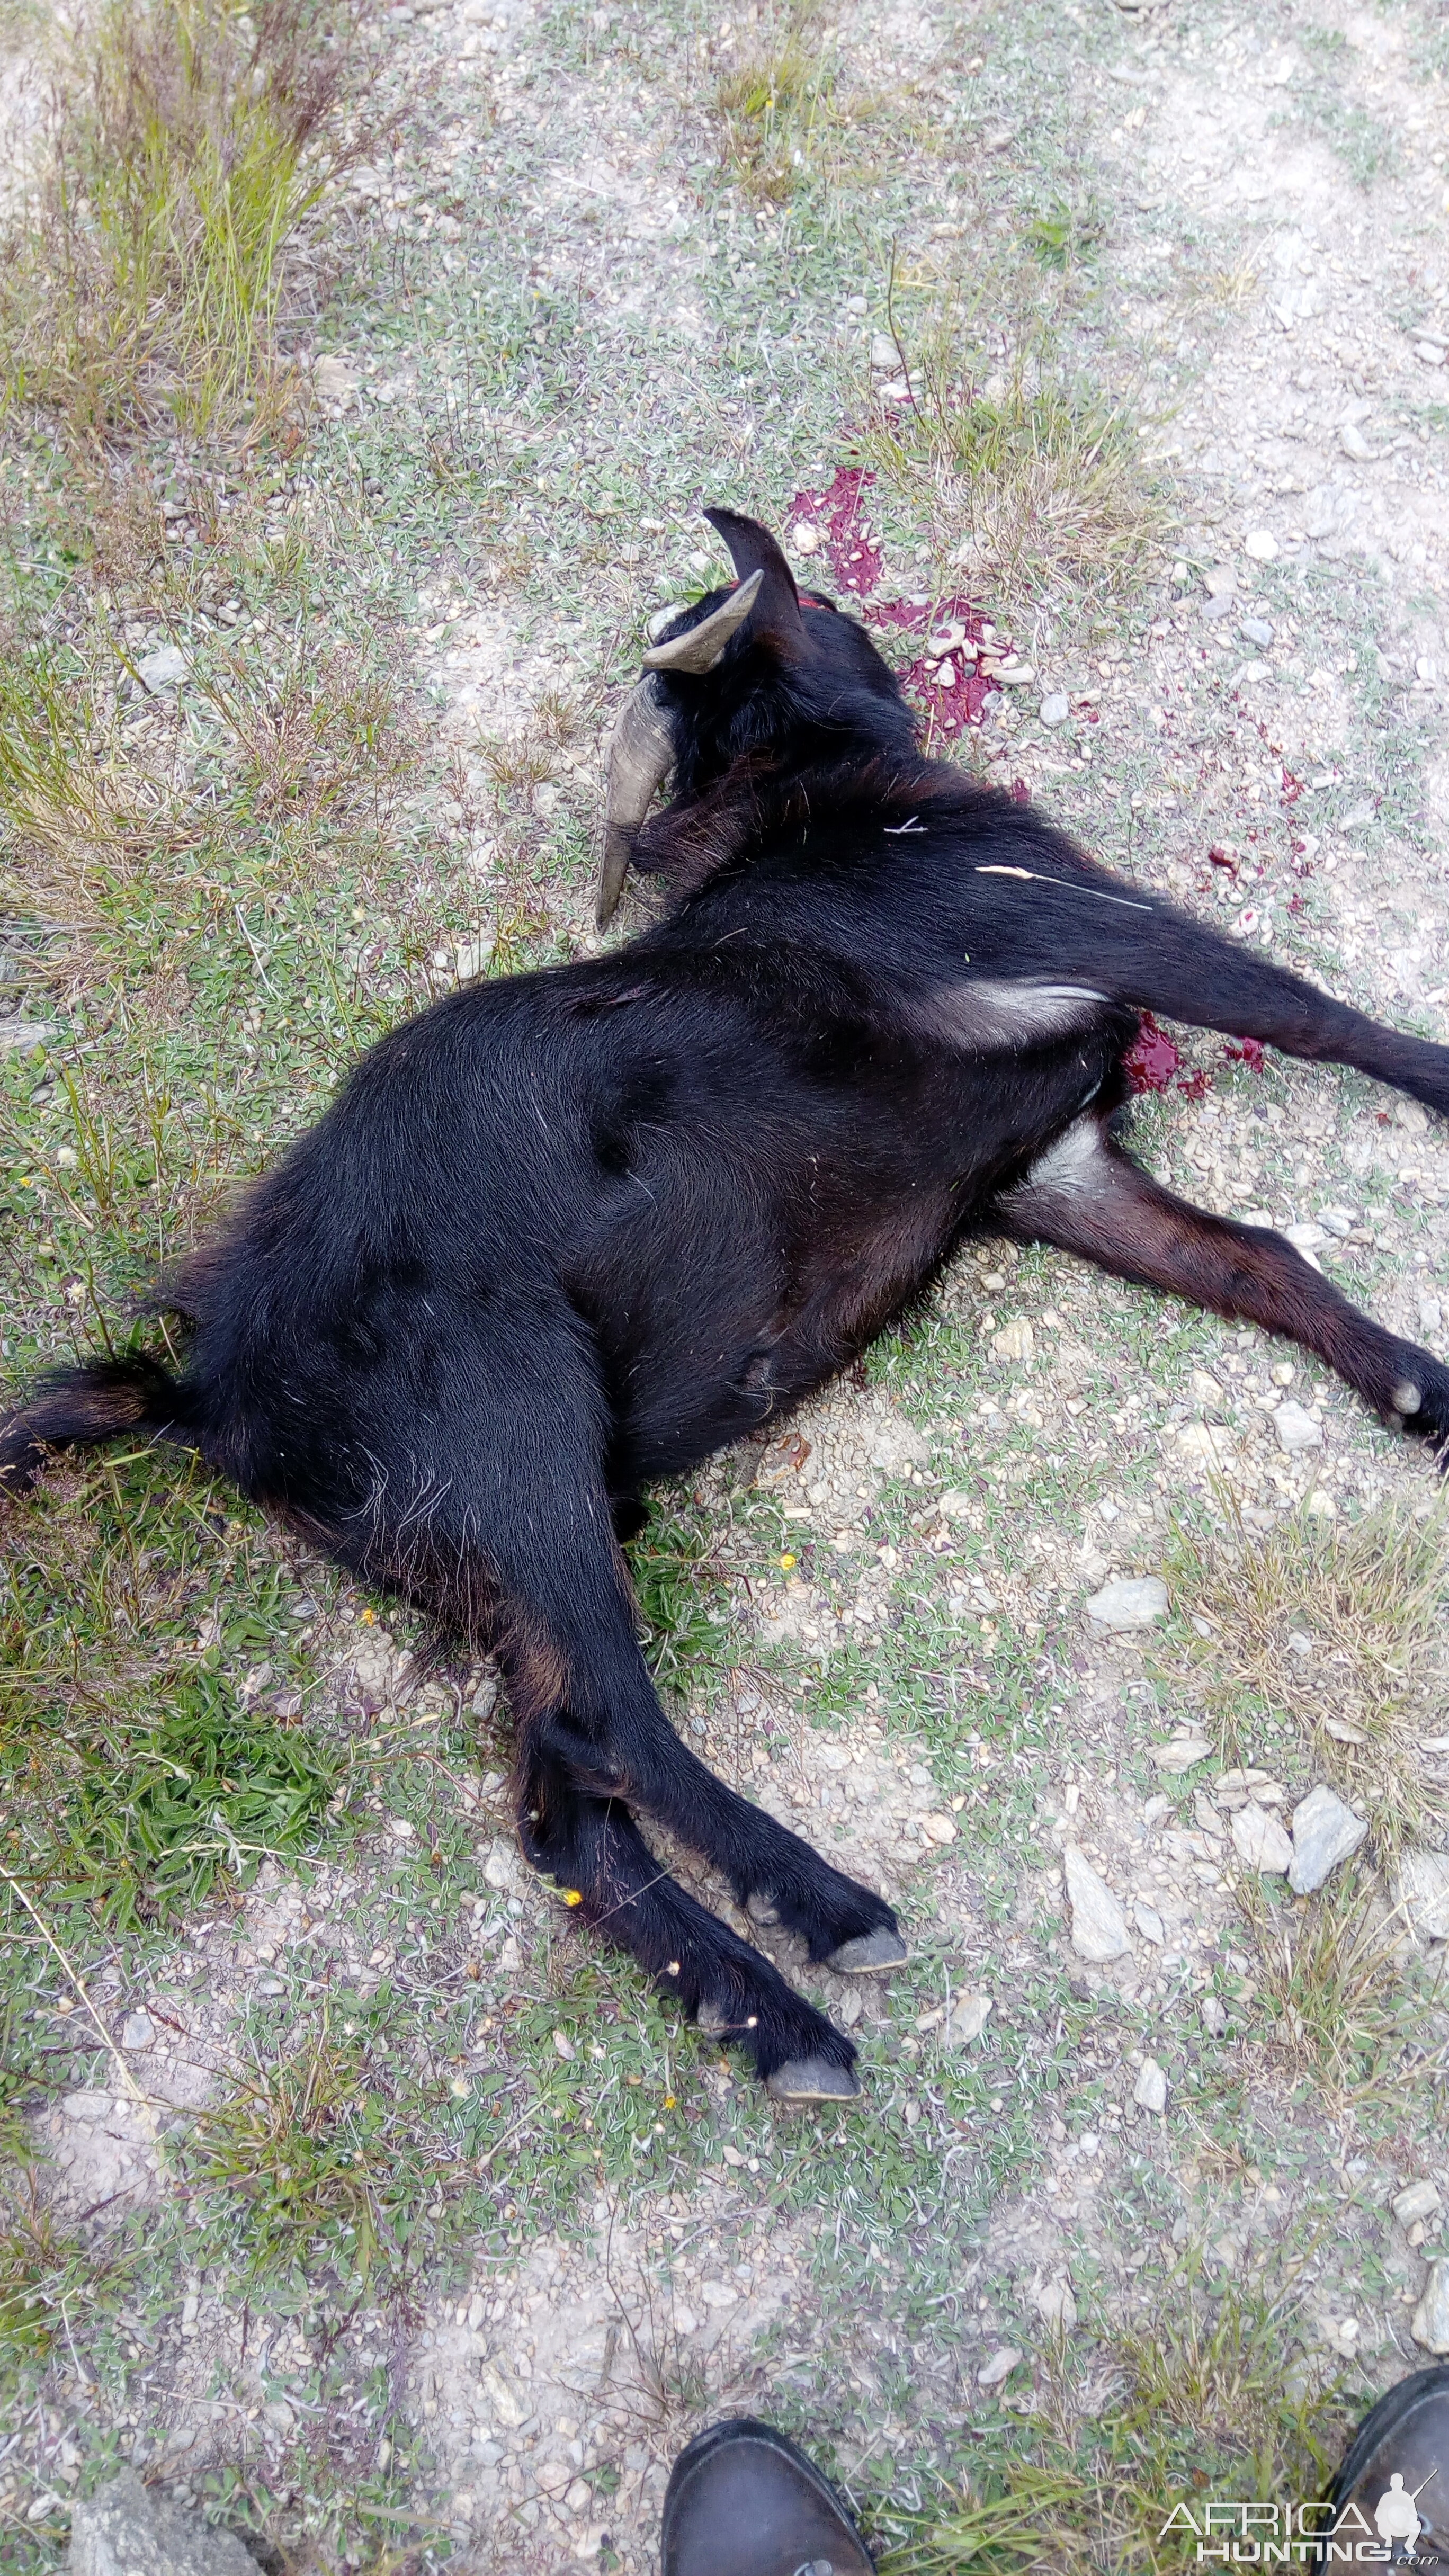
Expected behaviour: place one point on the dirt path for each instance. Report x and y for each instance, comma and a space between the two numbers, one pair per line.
596, 283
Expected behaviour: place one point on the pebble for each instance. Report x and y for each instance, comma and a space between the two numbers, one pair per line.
1150, 2090
999, 2367
804, 539
940, 1828
1421, 1893
162, 670
1183, 1754
335, 378
1214, 2016
1296, 1429
137, 2030
1325, 1831
1430, 2325
1221, 604
1015, 1341
1417, 2200
1150, 1924
967, 2019
1055, 708
1262, 545
1256, 630
1099, 1926
1220, 581
1132, 1601
1259, 1839
1353, 442
1055, 2305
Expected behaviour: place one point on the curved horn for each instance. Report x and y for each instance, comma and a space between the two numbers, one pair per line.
641, 753
700, 649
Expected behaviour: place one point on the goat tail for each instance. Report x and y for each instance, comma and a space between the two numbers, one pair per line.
79, 1408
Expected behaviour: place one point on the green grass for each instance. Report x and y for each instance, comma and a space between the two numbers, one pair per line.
188, 139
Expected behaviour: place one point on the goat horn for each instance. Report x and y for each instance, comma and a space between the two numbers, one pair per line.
641, 753
700, 649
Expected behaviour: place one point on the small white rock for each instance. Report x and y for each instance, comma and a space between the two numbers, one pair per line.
1055, 708
137, 2031
999, 2367
1353, 442
1325, 1831
1430, 2325
804, 539
1259, 1839
1150, 1924
1150, 2090
1135, 1601
1214, 2016
1055, 2305
1099, 1926
1296, 1429
1015, 1341
1183, 1754
1262, 545
967, 2019
1417, 2200
1421, 1894
940, 1828
162, 670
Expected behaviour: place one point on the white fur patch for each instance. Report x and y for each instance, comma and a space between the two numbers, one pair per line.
988, 1015
1070, 1164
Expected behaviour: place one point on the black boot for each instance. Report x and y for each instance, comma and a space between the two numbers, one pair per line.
1393, 2486
742, 2501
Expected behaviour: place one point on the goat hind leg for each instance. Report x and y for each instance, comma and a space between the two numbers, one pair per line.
1086, 1195
593, 1847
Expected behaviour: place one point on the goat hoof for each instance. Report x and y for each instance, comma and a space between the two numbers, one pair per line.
760, 1907
812, 2079
869, 1954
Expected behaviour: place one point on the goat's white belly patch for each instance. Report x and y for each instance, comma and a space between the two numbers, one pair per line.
986, 1015
1077, 1161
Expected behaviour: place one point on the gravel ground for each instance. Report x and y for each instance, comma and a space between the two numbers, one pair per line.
561, 309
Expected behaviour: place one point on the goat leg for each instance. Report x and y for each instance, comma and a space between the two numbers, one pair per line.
1086, 1195
1162, 960
593, 1847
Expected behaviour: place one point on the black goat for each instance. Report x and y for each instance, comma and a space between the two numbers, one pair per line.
570, 1232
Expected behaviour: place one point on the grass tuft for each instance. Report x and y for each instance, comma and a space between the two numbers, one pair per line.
1028, 476
1342, 1624
1327, 1987
185, 142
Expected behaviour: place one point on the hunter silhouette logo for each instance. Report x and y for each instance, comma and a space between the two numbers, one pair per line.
1396, 2515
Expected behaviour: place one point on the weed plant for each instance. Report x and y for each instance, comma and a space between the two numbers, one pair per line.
186, 141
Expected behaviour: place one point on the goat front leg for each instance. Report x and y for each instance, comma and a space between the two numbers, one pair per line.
593, 1847
1086, 1195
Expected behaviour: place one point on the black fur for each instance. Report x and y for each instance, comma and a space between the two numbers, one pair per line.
567, 1233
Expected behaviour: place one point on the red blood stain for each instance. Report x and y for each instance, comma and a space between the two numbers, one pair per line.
1020, 792
1296, 905
1292, 788
1152, 1059
1220, 858
1248, 1051
854, 556
1196, 1086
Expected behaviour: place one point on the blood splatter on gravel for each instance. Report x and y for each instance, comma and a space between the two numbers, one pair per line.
851, 546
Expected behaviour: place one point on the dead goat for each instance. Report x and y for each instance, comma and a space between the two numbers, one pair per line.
569, 1232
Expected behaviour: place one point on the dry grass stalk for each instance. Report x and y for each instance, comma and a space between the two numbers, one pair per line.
185, 142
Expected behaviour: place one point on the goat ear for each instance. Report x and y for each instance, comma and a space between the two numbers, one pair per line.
775, 618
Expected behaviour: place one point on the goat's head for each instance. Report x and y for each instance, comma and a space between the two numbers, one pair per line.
753, 670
